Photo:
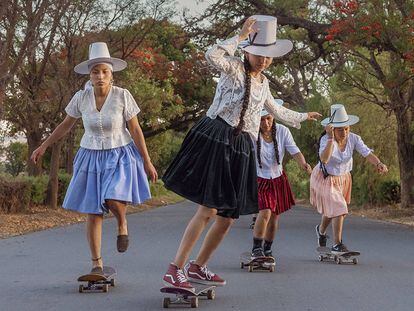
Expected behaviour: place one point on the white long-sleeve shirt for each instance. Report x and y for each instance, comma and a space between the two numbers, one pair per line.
228, 99
341, 162
270, 168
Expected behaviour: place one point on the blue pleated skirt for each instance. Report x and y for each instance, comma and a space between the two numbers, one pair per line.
100, 175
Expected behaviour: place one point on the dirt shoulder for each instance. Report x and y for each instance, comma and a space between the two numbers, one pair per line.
390, 213
41, 217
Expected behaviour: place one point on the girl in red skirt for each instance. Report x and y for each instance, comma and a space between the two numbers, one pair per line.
274, 193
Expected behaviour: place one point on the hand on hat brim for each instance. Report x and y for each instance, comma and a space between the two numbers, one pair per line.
351, 121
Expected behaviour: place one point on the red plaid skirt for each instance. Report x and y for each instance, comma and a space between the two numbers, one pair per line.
275, 194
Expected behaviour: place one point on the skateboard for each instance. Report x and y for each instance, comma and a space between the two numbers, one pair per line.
262, 263
186, 297
98, 282
325, 254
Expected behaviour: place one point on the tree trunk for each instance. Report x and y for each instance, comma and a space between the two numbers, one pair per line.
405, 143
33, 141
53, 186
70, 143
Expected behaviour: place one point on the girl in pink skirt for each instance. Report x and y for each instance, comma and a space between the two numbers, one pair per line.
274, 194
331, 182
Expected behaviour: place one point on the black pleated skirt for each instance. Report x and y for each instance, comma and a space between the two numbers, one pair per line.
216, 169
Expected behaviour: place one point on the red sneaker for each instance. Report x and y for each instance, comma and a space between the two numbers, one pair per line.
175, 278
202, 275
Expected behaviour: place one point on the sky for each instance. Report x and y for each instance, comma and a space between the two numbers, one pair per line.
193, 5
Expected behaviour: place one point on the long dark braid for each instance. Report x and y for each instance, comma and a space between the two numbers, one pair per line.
275, 142
322, 166
246, 97
259, 145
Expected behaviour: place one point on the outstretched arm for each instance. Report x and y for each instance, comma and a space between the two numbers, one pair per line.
61, 130
374, 160
300, 159
221, 56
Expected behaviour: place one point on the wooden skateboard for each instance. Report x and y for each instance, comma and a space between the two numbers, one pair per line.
262, 263
98, 282
325, 254
186, 297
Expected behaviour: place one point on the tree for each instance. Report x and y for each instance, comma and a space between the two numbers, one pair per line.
15, 154
368, 43
377, 38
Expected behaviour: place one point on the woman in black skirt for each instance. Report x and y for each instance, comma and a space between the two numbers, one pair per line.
216, 165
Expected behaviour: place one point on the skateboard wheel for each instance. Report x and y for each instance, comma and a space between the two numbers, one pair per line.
113, 282
80, 288
338, 260
355, 261
241, 265
166, 302
194, 302
320, 258
250, 269
211, 294
272, 269
105, 288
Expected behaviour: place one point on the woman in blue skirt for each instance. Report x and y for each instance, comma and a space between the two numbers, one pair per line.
112, 163
216, 165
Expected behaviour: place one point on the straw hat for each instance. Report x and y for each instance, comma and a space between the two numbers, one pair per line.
339, 117
99, 54
263, 41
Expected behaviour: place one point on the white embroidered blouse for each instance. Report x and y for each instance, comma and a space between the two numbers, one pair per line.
270, 169
341, 162
104, 129
228, 99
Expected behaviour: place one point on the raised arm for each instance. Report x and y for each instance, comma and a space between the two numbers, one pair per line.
221, 55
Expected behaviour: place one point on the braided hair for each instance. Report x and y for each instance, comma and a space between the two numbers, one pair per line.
321, 165
246, 97
259, 145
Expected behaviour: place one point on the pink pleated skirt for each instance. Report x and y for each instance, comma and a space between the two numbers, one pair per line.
330, 195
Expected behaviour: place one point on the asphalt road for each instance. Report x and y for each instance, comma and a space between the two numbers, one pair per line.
39, 270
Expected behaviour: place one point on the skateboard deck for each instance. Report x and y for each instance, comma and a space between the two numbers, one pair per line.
186, 297
262, 263
325, 254
98, 282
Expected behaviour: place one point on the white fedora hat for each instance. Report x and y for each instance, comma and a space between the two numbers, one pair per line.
339, 117
263, 41
99, 53
264, 112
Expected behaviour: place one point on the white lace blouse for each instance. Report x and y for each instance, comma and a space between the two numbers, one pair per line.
270, 169
228, 99
341, 162
104, 129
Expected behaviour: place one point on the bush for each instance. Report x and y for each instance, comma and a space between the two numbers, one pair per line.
298, 180
158, 189
389, 192
14, 195
16, 155
64, 180
38, 187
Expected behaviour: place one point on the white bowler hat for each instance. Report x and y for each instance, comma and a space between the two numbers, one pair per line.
264, 112
339, 117
99, 53
263, 41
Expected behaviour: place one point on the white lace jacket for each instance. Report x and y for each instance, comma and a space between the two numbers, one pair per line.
104, 129
228, 99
